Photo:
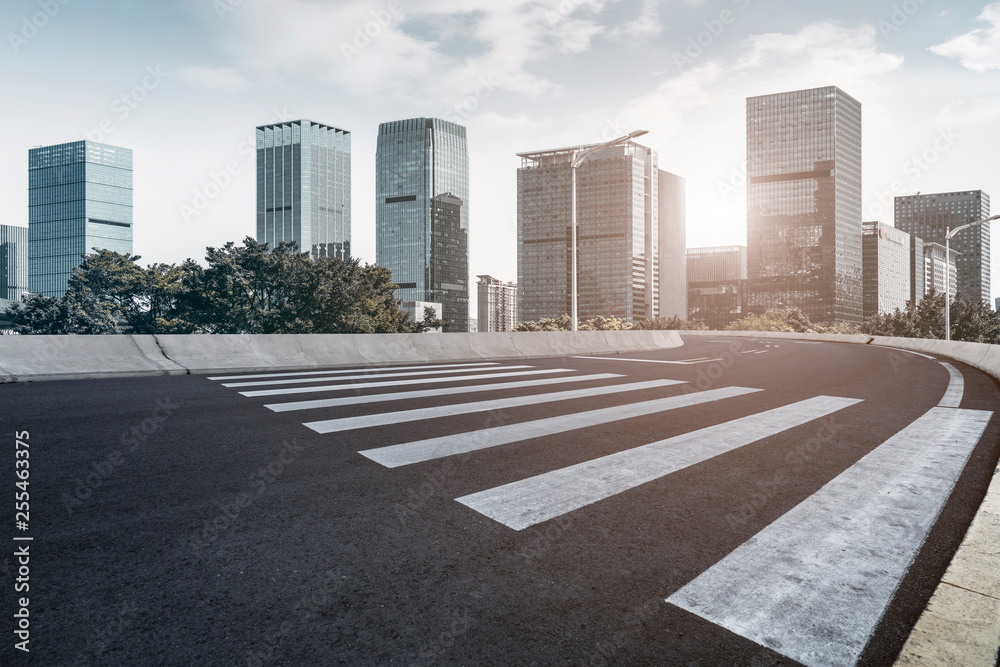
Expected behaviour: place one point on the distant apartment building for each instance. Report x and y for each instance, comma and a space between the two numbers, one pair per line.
930, 216
939, 271
887, 268
630, 235
497, 304
13, 262
422, 213
79, 201
717, 285
804, 204
304, 187
416, 310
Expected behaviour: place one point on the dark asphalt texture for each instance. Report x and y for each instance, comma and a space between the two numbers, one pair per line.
231, 535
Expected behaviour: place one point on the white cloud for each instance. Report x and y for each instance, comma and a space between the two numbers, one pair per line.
219, 79
979, 49
645, 27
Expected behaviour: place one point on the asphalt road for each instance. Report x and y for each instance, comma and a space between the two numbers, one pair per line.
763, 503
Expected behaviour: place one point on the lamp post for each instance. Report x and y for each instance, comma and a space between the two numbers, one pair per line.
577, 159
948, 233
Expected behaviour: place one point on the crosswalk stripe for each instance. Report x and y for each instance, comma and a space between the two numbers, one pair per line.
956, 387
814, 584
524, 503
462, 443
366, 421
366, 376
425, 393
351, 370
397, 383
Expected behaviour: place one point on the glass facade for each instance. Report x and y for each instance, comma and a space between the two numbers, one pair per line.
887, 268
13, 262
619, 234
930, 216
304, 187
79, 201
422, 213
717, 285
804, 204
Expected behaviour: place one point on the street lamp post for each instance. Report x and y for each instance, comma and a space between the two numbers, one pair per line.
948, 233
576, 161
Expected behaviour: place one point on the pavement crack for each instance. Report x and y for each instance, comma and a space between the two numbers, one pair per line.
985, 595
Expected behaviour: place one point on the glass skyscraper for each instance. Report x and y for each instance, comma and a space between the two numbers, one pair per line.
13, 262
304, 187
804, 204
630, 235
79, 200
929, 216
422, 213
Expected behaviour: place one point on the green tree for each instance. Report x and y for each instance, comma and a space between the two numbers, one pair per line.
669, 324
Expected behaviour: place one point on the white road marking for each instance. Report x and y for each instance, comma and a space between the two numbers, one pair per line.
367, 421
899, 349
703, 360
425, 393
366, 376
462, 443
956, 387
536, 499
814, 584
352, 370
397, 383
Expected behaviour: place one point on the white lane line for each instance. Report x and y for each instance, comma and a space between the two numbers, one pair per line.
381, 369
396, 383
899, 349
703, 360
462, 443
344, 378
956, 387
367, 421
425, 393
807, 342
536, 499
814, 584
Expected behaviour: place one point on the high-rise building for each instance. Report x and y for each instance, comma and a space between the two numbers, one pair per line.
304, 187
930, 216
13, 262
918, 277
497, 304
422, 213
717, 285
935, 267
804, 203
416, 310
627, 211
887, 268
79, 201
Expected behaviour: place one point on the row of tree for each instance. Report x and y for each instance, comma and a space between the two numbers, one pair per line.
246, 289
971, 320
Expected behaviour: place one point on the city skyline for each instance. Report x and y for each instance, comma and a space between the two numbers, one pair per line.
926, 95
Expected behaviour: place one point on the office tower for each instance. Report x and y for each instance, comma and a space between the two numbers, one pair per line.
918, 277
497, 304
887, 268
997, 304
79, 201
934, 269
415, 311
929, 216
620, 226
717, 285
804, 203
13, 262
304, 187
422, 213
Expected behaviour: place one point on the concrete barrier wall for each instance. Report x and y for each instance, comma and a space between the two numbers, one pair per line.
29, 358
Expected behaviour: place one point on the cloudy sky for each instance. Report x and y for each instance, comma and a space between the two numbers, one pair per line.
184, 82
